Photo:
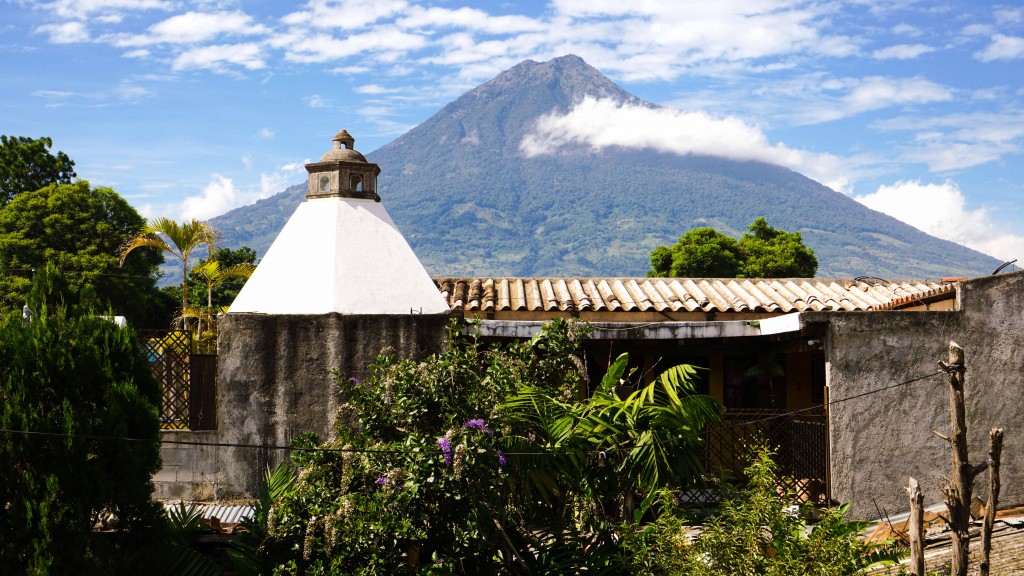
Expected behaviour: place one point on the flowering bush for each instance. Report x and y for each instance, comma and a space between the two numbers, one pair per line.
431, 471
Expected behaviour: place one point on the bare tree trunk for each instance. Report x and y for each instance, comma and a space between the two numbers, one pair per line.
994, 452
915, 529
958, 491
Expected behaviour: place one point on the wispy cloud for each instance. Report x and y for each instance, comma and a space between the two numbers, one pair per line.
839, 98
953, 142
941, 210
217, 57
317, 101
345, 14
902, 52
124, 92
192, 28
265, 133
602, 123
84, 8
1002, 47
66, 32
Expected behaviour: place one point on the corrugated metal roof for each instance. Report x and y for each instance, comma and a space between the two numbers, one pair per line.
720, 295
227, 514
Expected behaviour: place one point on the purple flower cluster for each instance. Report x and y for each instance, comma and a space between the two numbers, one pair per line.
446, 448
478, 424
502, 460
382, 481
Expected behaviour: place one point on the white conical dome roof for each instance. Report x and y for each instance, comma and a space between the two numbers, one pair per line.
340, 255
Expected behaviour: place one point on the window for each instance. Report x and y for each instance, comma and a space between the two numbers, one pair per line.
355, 183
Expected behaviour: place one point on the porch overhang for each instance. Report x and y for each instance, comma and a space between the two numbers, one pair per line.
667, 330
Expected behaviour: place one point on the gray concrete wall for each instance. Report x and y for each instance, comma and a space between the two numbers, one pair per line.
274, 383
879, 440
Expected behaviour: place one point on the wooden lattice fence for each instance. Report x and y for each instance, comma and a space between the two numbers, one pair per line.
801, 440
187, 381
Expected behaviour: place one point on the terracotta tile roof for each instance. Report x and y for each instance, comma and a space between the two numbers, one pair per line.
720, 295
919, 298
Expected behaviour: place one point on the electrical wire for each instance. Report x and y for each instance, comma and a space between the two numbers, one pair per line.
694, 435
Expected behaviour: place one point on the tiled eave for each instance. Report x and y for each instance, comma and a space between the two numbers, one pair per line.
672, 297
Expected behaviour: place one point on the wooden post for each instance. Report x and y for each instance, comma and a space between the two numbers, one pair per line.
995, 450
958, 491
915, 528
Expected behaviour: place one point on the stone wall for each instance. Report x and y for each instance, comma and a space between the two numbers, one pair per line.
878, 440
275, 382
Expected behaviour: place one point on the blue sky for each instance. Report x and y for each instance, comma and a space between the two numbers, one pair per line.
190, 108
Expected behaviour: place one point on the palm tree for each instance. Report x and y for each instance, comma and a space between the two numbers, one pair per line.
211, 273
184, 238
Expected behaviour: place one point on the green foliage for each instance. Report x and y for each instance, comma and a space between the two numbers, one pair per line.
26, 165
700, 253
764, 252
755, 532
771, 253
79, 229
433, 470
645, 443
71, 382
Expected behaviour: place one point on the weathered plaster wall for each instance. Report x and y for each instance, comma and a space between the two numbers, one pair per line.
878, 440
274, 383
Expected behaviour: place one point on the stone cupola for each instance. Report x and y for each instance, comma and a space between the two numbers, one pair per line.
343, 173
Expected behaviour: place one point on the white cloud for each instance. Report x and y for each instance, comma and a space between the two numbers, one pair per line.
1009, 15
843, 97
83, 8
65, 32
958, 141
382, 41
902, 52
940, 210
317, 101
214, 57
128, 92
977, 30
603, 123
219, 196
1002, 48
266, 133
470, 18
877, 92
908, 30
350, 70
192, 28
375, 89
344, 14
247, 161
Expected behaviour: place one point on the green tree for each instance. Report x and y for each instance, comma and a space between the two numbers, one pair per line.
177, 240
700, 253
79, 229
70, 386
763, 252
771, 253
26, 164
